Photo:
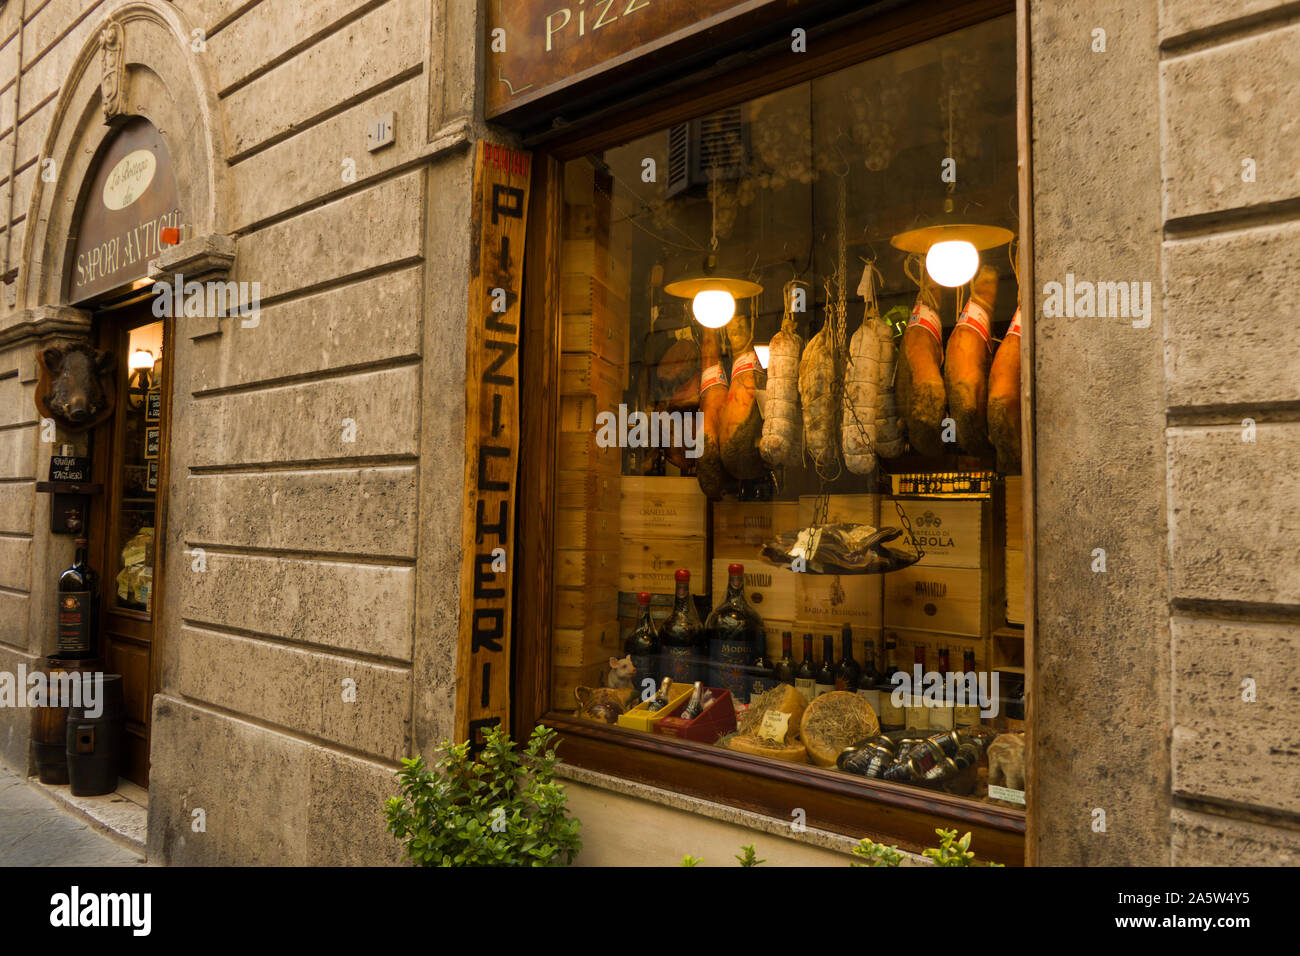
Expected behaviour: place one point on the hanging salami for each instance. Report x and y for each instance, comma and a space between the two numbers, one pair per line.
819, 396
862, 376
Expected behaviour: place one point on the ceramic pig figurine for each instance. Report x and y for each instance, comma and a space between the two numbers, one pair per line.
622, 673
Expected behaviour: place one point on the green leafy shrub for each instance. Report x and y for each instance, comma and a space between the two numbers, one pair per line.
502, 809
689, 860
953, 852
877, 854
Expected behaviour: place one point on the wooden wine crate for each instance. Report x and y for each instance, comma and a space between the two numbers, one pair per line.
949, 600
585, 529
769, 590
596, 257
743, 527
586, 220
843, 509
950, 532
1015, 533
661, 507
908, 640
582, 646
579, 450
565, 680
1015, 562
649, 564
582, 373
585, 569
593, 321
585, 607
595, 490
838, 599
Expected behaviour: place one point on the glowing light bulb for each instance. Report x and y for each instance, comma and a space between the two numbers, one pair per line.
952, 263
713, 308
140, 358
764, 352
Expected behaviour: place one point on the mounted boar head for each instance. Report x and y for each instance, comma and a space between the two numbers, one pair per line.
75, 387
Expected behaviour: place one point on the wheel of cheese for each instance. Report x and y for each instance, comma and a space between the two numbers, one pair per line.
834, 721
782, 698
792, 752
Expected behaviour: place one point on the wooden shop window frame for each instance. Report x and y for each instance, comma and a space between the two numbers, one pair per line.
858, 807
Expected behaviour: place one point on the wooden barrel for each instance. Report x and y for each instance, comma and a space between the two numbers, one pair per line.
49, 724
95, 743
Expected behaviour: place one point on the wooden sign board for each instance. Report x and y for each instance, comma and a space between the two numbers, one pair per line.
546, 45
131, 198
491, 439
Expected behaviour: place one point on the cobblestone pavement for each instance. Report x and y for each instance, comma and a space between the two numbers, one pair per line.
35, 831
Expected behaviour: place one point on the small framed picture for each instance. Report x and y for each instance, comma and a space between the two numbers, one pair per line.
151, 482
152, 439
153, 405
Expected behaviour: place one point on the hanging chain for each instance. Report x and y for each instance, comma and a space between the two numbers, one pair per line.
907, 526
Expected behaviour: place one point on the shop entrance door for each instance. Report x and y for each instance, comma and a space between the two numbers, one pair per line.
127, 534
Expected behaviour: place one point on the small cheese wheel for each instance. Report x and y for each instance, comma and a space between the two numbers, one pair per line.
792, 753
834, 721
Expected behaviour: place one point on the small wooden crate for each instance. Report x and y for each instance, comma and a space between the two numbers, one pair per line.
650, 564
580, 451
584, 607
949, 600
586, 530
743, 527
660, 507
585, 569
950, 532
593, 320
593, 490
582, 373
769, 590
594, 644
596, 257
716, 720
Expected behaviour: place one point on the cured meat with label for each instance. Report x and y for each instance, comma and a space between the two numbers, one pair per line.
781, 443
922, 400
966, 366
861, 399
819, 393
1004, 401
741, 422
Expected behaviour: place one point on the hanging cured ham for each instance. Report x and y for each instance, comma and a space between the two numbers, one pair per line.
966, 365
1004, 401
712, 475
741, 422
922, 400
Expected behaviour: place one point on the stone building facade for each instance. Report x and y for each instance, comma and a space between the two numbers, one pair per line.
330, 560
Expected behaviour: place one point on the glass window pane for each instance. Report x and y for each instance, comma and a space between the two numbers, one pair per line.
747, 495
142, 443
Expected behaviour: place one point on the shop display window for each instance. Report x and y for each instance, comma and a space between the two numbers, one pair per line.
768, 501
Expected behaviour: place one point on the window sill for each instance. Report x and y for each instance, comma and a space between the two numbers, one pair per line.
768, 792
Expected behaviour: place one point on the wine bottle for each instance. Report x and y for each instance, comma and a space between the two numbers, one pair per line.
642, 644
968, 711
917, 717
805, 678
695, 704
761, 673
733, 630
826, 673
944, 716
783, 672
660, 700
847, 671
78, 608
892, 717
682, 644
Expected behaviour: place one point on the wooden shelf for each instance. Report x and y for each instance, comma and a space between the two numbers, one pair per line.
69, 487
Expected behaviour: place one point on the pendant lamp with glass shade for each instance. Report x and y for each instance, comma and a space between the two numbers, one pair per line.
713, 296
951, 247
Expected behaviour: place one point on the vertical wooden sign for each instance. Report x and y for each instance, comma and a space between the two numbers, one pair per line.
491, 439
